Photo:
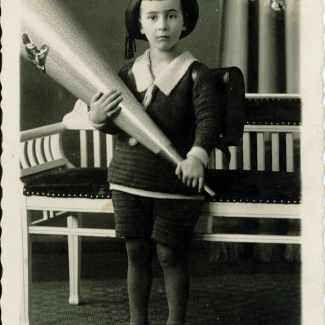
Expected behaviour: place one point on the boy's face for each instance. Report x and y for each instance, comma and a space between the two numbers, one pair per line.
162, 22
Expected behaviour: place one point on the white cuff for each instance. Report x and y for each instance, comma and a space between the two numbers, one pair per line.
200, 154
96, 126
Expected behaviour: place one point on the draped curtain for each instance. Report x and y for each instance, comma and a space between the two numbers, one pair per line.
261, 37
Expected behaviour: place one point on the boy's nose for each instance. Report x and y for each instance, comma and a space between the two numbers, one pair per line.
162, 24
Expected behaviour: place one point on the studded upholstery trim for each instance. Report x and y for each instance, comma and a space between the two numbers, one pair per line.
230, 185
273, 111
248, 186
69, 183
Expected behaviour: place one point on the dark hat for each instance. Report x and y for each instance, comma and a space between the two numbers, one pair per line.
190, 10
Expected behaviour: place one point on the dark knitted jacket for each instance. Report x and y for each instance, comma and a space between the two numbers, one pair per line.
189, 117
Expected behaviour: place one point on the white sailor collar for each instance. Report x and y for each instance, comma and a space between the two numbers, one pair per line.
168, 79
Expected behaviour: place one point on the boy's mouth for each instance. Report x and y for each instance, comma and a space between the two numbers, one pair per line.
163, 37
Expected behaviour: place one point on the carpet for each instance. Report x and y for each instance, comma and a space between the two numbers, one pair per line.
244, 293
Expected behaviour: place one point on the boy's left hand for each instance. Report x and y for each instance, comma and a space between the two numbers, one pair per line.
191, 171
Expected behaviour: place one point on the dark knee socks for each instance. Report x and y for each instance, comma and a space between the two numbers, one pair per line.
140, 254
174, 264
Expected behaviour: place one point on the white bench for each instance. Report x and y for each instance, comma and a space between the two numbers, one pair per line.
42, 155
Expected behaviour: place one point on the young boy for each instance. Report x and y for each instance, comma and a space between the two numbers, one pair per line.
154, 208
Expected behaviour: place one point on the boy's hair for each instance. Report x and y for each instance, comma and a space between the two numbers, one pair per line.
190, 11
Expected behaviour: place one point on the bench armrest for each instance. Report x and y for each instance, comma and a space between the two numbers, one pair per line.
42, 132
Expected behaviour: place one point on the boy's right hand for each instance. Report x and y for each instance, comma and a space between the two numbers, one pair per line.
105, 105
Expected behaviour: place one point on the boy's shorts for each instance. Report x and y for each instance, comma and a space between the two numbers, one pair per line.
169, 221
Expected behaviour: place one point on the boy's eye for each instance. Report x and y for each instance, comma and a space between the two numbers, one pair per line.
152, 17
171, 16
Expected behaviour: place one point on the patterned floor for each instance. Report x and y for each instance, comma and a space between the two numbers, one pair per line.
247, 293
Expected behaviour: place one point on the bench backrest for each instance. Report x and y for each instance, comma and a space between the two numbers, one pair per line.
267, 144
270, 141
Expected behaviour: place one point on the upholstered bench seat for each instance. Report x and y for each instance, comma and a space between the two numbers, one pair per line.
75, 182
229, 185
250, 186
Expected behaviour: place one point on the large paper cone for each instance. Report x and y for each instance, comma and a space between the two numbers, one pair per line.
55, 42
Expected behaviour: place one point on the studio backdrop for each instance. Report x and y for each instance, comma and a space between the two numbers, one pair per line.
261, 37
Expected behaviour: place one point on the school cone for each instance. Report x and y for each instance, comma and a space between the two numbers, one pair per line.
55, 42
